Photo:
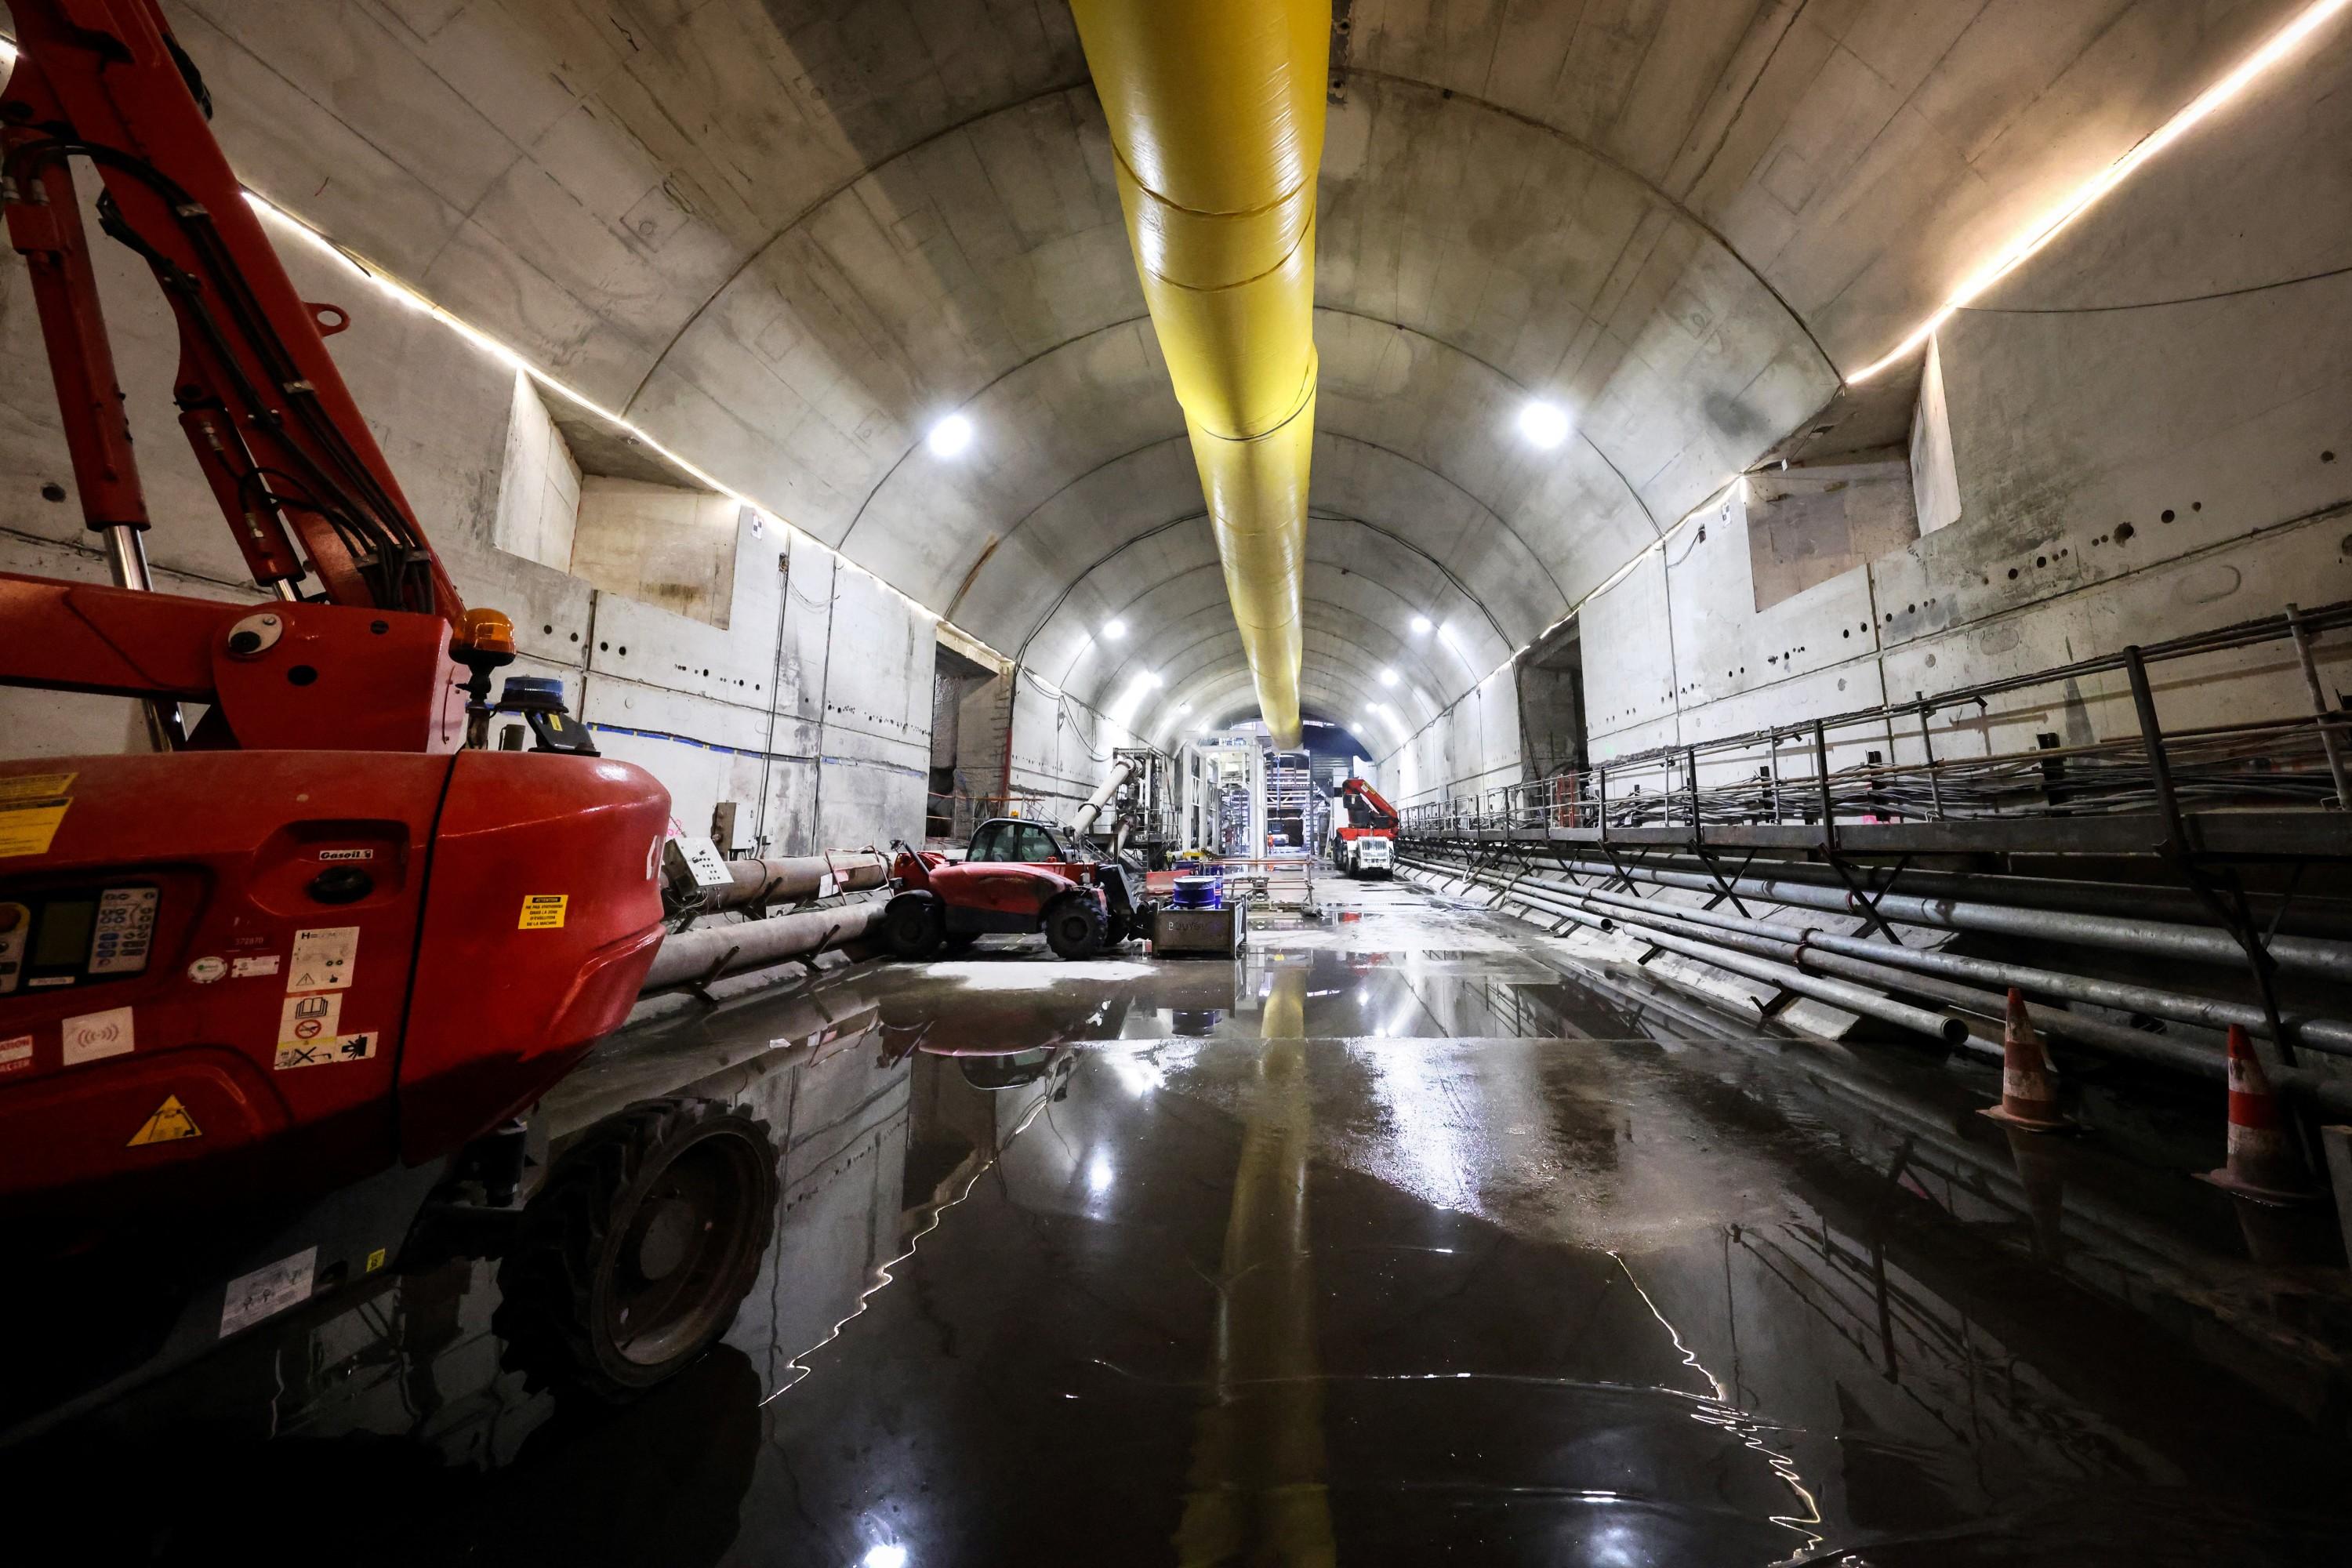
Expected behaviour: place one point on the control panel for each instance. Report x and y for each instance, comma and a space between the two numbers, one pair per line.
76, 936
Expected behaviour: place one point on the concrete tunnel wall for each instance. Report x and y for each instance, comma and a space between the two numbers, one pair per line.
815, 693
2176, 362
785, 238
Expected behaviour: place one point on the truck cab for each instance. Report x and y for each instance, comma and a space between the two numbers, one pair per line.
1363, 831
1012, 838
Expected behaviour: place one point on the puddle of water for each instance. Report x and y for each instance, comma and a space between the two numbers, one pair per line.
1490, 1264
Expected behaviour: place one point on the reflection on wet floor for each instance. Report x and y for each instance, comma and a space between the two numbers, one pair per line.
1395, 1240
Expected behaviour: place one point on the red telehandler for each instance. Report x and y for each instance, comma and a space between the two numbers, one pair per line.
274, 998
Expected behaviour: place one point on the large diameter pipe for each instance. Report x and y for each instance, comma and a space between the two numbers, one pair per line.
2309, 955
796, 878
1216, 124
1083, 822
699, 957
2330, 1035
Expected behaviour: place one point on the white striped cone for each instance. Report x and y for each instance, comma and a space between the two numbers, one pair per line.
2262, 1162
2029, 1088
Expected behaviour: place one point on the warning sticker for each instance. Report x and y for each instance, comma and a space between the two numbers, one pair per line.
17, 1054
376, 1260
305, 1019
323, 960
327, 1053
31, 807
35, 786
250, 968
542, 911
267, 1291
170, 1123
95, 1035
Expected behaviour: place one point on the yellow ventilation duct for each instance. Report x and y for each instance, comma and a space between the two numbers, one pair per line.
1216, 119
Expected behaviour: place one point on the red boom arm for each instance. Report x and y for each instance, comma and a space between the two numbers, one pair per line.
296, 474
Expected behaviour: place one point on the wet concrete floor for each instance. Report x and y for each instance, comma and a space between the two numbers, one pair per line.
1397, 1241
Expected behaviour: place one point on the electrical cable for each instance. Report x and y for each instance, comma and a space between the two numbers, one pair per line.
2153, 304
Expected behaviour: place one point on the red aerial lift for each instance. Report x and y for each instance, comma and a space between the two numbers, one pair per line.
1363, 831
272, 998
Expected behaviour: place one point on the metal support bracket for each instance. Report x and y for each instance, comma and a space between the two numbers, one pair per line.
1868, 901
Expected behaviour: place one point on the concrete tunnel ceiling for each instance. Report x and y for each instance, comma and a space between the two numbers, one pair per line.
786, 237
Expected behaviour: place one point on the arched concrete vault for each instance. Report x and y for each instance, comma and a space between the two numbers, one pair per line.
786, 237
1351, 648
1378, 581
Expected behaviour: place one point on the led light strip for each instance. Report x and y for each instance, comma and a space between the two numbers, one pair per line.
2273, 52
2281, 43
2029, 242
402, 294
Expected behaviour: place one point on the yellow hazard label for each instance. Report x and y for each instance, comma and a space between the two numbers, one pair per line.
31, 807
170, 1123
376, 1260
27, 825
542, 911
36, 786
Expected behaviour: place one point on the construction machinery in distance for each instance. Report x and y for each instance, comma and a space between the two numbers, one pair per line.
1363, 831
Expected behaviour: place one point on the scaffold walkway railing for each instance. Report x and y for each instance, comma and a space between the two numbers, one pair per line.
2270, 784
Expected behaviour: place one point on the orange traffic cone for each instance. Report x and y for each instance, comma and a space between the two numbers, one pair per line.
2028, 1092
2262, 1165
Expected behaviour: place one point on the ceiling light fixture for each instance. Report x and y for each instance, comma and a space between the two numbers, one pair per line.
949, 436
1114, 628
407, 297
1545, 425
2052, 223
1388, 678
1421, 624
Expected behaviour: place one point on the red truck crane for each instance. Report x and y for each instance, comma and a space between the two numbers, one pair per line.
273, 995
1363, 831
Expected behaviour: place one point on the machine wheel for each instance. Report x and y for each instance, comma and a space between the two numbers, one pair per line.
914, 926
633, 1257
1073, 926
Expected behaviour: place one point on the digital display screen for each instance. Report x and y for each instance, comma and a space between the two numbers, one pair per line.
63, 938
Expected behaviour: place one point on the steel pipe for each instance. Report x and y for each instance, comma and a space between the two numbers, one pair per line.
2331, 1093
799, 877
2302, 954
1082, 821
2330, 1035
2317, 916
700, 957
1757, 966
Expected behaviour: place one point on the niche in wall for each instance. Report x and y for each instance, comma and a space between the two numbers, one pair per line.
1838, 494
585, 498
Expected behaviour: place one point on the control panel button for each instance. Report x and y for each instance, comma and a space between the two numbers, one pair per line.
125, 929
15, 924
